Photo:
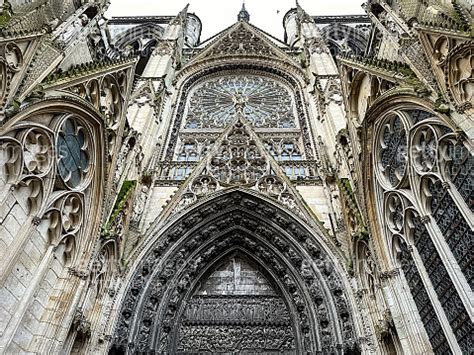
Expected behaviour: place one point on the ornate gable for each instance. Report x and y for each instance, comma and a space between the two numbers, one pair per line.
241, 39
238, 160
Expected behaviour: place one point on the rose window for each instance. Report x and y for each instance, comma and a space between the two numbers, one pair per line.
265, 103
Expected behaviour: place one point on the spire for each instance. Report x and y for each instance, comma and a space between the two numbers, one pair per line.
303, 15
181, 17
243, 14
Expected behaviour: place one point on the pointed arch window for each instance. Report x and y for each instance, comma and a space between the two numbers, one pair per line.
418, 165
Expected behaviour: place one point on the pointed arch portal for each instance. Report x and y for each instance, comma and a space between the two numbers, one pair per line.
235, 274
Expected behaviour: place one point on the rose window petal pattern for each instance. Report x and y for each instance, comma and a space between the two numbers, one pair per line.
73, 157
266, 103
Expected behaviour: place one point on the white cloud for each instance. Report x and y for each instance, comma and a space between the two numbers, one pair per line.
217, 15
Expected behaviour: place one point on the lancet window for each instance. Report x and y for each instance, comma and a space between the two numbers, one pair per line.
424, 178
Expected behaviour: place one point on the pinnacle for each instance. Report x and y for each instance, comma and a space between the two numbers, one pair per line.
243, 14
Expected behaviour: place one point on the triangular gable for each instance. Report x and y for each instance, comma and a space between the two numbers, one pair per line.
241, 39
238, 159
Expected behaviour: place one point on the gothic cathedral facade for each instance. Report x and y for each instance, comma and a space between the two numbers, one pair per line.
164, 194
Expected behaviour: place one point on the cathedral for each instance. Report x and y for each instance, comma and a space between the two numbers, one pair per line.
163, 193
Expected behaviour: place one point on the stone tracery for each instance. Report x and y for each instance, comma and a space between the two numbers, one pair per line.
426, 181
268, 104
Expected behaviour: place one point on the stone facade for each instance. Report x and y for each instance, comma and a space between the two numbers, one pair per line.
243, 194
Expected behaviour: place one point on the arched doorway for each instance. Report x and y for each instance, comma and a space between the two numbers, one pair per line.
279, 283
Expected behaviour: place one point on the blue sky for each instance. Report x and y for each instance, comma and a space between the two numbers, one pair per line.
219, 14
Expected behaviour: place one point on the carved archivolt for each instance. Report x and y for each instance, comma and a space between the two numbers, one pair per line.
156, 296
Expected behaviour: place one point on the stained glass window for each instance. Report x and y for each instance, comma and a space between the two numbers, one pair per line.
453, 307
454, 227
425, 308
460, 170
73, 158
267, 103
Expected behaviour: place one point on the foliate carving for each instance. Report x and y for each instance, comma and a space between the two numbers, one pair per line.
267, 102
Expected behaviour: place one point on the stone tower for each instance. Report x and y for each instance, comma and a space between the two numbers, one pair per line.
242, 194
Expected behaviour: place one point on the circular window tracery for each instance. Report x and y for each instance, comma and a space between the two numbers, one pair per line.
267, 103
72, 145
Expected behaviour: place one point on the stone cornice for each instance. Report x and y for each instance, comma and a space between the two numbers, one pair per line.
325, 20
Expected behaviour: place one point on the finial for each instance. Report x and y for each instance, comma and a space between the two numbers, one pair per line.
243, 14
